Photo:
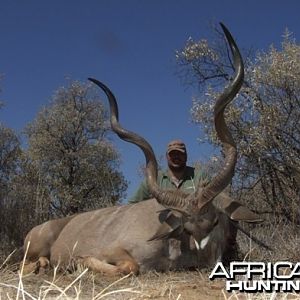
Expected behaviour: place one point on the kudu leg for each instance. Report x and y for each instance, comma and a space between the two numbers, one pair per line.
36, 267
114, 262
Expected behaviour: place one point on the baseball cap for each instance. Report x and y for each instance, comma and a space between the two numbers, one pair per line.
176, 145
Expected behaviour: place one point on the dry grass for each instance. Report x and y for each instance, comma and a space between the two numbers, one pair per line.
85, 285
283, 238
189, 285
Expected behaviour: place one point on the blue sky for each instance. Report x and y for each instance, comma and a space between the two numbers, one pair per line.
130, 46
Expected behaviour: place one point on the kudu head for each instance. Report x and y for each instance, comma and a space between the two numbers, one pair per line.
193, 213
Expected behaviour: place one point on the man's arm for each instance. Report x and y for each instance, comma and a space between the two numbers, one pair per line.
141, 194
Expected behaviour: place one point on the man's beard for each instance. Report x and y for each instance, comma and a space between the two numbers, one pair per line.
177, 167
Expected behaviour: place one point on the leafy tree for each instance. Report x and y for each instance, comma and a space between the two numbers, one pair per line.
17, 191
9, 155
264, 118
77, 166
70, 165
9, 152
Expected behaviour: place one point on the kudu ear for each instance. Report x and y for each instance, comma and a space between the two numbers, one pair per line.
235, 210
171, 225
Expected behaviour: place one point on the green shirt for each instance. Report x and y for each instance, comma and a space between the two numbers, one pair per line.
188, 183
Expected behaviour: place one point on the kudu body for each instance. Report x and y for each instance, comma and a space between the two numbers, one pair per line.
173, 230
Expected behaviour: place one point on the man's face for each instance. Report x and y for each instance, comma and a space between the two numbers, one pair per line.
176, 159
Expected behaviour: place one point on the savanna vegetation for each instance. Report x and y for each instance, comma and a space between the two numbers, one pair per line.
69, 165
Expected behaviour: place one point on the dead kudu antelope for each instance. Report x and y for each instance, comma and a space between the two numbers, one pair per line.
173, 230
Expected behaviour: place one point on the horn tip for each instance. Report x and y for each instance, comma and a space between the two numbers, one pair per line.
223, 26
226, 31
97, 82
